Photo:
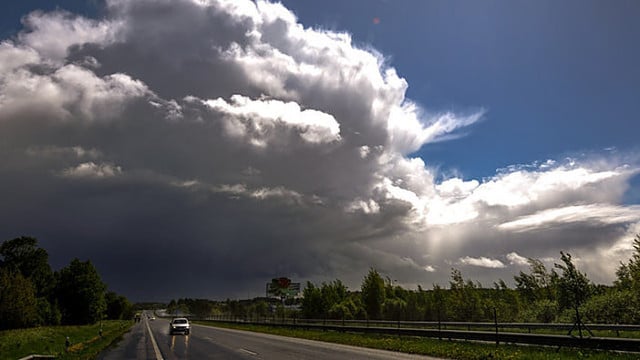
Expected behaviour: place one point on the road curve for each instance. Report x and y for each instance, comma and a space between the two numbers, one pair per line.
207, 342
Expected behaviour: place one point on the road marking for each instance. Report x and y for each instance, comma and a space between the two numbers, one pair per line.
248, 352
153, 342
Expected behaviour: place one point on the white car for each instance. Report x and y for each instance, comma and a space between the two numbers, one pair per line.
179, 325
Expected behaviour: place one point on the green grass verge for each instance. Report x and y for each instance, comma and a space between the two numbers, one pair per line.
447, 349
50, 340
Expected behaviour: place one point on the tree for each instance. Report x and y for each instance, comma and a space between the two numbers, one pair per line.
23, 255
312, 304
504, 301
80, 293
464, 298
18, 304
373, 294
538, 285
629, 274
612, 307
574, 287
118, 307
394, 308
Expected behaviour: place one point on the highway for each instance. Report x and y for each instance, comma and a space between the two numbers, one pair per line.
151, 340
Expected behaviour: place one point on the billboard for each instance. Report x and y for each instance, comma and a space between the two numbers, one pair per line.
283, 288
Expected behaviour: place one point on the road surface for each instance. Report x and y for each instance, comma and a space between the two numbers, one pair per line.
151, 340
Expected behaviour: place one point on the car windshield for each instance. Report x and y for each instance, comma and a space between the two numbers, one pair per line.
180, 321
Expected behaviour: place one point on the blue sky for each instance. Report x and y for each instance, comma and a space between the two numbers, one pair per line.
224, 132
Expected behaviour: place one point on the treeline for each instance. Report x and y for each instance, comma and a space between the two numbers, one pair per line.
560, 294
249, 308
31, 294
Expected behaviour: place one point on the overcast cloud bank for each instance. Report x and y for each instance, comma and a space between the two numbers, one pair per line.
227, 133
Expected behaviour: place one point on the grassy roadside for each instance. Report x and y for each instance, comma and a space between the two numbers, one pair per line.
433, 347
50, 340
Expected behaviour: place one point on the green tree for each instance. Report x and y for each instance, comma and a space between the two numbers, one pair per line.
464, 300
373, 294
612, 307
394, 308
80, 293
538, 284
629, 274
23, 255
118, 307
332, 293
18, 304
504, 301
312, 304
574, 288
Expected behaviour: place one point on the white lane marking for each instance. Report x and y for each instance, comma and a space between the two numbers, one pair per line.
153, 342
248, 352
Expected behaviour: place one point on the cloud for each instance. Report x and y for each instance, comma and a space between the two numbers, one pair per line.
515, 259
590, 214
69, 151
92, 170
258, 119
429, 268
229, 134
482, 262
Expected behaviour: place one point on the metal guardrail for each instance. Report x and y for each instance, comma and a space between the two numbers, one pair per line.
451, 325
475, 325
403, 328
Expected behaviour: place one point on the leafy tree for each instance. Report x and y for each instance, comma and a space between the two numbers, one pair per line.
346, 309
373, 294
48, 312
312, 304
394, 308
538, 284
629, 274
333, 293
260, 309
504, 301
612, 307
118, 307
18, 304
542, 311
80, 293
464, 300
439, 304
574, 287
415, 305
23, 255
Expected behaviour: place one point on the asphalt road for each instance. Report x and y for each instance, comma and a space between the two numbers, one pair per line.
206, 342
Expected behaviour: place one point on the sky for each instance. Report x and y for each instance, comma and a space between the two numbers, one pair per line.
199, 148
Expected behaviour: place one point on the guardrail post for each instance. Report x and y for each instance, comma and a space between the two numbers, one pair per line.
495, 320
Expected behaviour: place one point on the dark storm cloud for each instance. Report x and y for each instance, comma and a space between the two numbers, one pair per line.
227, 136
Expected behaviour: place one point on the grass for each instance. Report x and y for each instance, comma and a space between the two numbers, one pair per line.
463, 350
86, 342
